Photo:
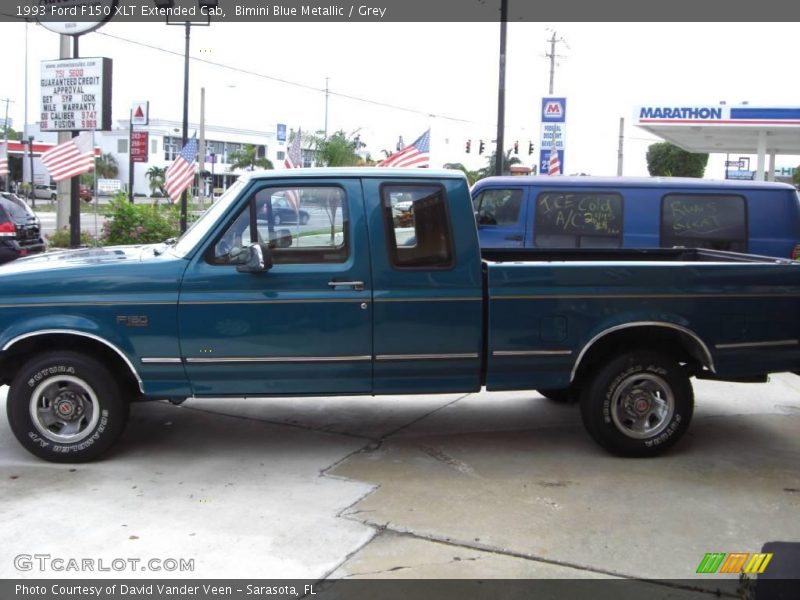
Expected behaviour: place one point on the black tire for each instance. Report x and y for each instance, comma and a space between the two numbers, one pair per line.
304, 219
80, 410
562, 395
638, 404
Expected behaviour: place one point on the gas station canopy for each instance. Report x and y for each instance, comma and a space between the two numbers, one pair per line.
750, 129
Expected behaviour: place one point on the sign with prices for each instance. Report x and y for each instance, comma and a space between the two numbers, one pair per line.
139, 142
76, 94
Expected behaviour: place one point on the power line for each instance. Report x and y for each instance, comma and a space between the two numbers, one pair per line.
287, 81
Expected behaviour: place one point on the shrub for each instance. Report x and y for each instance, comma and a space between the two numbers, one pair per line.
139, 223
60, 238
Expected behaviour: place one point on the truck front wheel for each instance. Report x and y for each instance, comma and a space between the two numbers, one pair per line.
66, 407
638, 404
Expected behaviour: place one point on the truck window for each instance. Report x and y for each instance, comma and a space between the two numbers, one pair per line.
578, 220
498, 207
717, 222
418, 226
302, 224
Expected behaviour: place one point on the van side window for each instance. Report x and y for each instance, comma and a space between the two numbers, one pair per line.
578, 220
498, 207
417, 226
709, 221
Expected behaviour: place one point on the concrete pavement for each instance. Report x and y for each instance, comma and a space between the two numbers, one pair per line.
487, 485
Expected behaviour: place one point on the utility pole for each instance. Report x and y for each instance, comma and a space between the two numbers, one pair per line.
499, 155
552, 56
621, 141
5, 122
327, 92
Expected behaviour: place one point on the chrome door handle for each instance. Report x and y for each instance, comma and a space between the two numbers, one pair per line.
356, 285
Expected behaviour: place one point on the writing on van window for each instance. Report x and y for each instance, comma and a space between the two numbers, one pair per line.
701, 218
704, 221
578, 214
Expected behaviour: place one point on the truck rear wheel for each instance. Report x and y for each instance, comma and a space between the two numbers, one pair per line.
66, 407
638, 404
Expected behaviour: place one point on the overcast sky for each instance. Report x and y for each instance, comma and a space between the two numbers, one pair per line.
447, 72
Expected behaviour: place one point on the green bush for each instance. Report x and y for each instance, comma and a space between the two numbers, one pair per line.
60, 238
139, 223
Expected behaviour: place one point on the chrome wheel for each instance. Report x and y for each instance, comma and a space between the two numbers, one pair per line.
642, 405
64, 409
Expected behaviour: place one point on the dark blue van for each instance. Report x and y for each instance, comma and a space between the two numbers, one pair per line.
757, 217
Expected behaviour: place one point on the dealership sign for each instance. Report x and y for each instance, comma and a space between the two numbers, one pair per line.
76, 94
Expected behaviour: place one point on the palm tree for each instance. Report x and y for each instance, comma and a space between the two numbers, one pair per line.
472, 176
106, 166
156, 176
489, 169
336, 150
247, 159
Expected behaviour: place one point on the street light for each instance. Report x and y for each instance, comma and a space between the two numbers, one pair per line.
203, 4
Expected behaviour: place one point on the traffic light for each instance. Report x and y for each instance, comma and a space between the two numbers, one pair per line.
530, 148
481, 146
516, 147
469, 146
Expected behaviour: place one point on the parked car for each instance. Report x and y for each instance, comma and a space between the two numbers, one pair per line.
283, 213
45, 192
759, 217
20, 229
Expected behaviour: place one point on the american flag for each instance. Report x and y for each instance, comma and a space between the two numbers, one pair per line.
294, 160
294, 156
554, 167
3, 159
181, 172
414, 155
70, 158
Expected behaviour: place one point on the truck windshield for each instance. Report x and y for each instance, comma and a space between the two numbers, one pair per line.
200, 228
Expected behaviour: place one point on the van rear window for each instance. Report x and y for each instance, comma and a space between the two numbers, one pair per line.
578, 220
717, 222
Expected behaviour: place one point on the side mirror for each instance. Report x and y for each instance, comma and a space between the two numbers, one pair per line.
259, 259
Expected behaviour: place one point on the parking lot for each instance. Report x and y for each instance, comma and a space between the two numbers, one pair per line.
487, 485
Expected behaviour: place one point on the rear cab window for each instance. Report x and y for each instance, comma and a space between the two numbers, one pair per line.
569, 219
418, 229
713, 221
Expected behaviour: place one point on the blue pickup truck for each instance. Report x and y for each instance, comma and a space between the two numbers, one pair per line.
383, 289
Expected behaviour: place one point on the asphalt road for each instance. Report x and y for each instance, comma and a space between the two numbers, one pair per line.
485, 485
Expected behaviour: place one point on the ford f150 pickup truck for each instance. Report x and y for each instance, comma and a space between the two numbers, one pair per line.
383, 289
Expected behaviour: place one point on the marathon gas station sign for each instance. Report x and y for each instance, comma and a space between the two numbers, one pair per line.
76, 94
717, 115
553, 131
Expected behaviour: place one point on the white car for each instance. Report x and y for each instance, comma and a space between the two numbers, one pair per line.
45, 192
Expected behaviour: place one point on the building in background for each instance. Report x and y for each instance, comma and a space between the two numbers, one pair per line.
164, 143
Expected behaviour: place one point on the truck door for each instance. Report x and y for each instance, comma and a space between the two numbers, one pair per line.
302, 327
427, 285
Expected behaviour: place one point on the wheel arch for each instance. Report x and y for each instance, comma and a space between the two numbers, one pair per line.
17, 349
680, 341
